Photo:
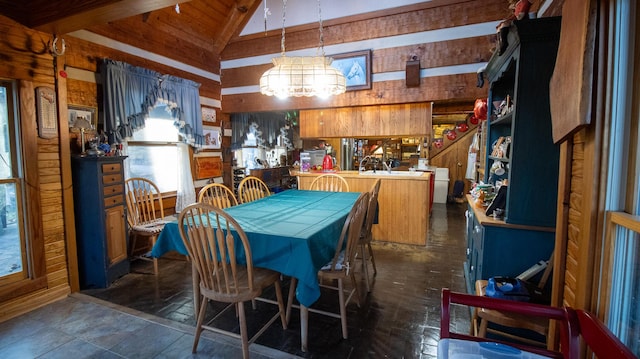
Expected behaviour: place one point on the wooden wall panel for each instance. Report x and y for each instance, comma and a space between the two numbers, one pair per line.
426, 16
84, 55
439, 88
25, 57
434, 15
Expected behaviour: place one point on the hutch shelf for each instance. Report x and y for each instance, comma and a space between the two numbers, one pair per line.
529, 165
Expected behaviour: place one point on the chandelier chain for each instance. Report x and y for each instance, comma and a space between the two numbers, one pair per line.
284, 16
321, 46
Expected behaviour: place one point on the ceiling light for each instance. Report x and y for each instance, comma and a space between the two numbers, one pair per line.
302, 75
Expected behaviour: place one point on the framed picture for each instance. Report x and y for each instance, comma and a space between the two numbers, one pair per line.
78, 113
212, 139
207, 165
208, 114
356, 67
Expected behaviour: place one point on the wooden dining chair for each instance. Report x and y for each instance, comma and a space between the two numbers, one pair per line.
364, 242
218, 195
252, 188
145, 215
483, 317
214, 240
329, 182
341, 265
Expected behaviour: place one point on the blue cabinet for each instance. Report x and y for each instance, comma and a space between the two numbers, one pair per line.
528, 160
100, 216
495, 248
520, 77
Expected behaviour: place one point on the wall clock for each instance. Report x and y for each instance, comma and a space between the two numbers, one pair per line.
47, 112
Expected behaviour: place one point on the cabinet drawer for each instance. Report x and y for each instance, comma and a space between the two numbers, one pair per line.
111, 178
112, 190
111, 167
113, 200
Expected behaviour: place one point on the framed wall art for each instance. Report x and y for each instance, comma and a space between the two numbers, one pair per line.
212, 137
46, 107
208, 114
78, 113
207, 165
356, 67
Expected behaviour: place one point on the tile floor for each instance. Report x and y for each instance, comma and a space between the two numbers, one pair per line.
400, 318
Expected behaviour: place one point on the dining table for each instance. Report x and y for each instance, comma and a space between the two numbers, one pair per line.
294, 232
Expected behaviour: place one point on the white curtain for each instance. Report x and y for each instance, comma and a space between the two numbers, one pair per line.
186, 194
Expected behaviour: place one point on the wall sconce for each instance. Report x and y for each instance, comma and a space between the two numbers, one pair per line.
412, 72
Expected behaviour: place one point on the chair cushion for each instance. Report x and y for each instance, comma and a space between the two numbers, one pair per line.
339, 264
153, 227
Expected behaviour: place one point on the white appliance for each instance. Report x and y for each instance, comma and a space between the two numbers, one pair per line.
441, 185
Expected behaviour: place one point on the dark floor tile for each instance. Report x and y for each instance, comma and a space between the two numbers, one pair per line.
399, 318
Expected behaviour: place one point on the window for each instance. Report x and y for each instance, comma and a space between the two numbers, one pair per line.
153, 151
14, 264
620, 280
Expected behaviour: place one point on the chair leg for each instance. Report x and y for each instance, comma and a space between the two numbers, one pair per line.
365, 267
243, 331
155, 260
196, 337
482, 333
355, 289
343, 308
373, 260
281, 304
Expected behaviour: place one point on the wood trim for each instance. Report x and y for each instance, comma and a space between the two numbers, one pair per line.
31, 302
66, 179
612, 222
18, 289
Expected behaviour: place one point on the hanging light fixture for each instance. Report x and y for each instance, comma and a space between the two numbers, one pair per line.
302, 75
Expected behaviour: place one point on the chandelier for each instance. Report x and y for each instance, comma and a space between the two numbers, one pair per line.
302, 75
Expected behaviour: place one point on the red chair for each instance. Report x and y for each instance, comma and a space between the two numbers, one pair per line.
565, 317
599, 338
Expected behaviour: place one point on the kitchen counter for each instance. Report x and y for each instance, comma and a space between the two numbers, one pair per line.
403, 202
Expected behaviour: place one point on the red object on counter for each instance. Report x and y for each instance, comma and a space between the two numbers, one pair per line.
327, 163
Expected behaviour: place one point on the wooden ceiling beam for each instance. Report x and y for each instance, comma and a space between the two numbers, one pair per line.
239, 16
62, 16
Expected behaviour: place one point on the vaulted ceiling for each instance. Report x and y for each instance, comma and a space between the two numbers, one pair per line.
199, 28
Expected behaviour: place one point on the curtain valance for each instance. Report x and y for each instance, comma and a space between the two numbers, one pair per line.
131, 92
263, 129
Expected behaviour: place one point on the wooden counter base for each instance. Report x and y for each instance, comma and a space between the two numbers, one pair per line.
403, 203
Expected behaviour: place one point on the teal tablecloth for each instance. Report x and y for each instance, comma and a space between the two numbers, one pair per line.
293, 232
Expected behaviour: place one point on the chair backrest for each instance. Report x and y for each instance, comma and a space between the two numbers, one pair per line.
218, 195
565, 317
600, 339
210, 236
252, 188
144, 201
371, 212
350, 234
329, 182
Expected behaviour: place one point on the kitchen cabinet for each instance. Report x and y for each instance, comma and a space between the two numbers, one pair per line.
100, 216
519, 79
367, 121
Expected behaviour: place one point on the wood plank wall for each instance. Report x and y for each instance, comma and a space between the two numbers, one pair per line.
25, 57
433, 15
